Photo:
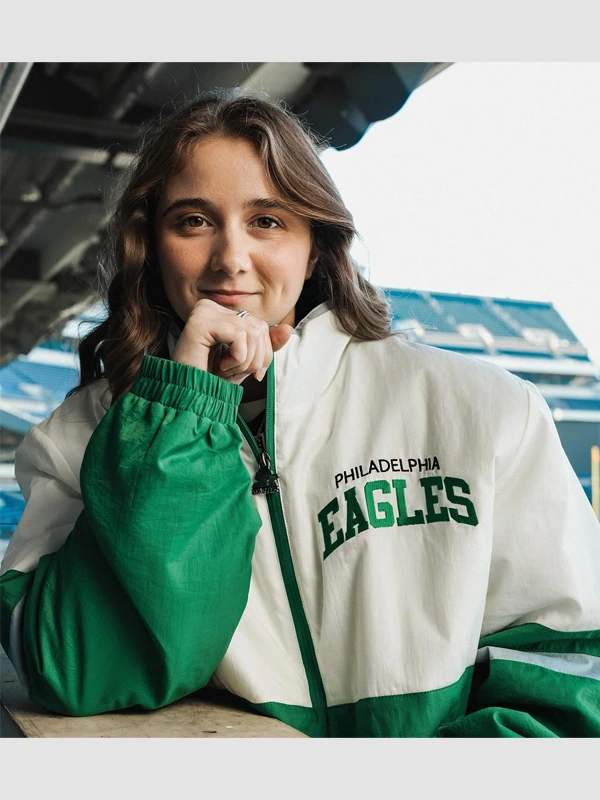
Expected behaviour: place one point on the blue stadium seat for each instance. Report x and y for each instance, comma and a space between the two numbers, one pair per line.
473, 310
55, 381
537, 315
574, 403
411, 305
12, 504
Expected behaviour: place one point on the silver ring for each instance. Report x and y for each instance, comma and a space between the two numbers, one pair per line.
243, 314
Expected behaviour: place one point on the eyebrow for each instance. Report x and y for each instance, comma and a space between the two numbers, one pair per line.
201, 203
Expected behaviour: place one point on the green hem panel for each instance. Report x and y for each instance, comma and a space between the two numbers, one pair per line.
302, 718
13, 585
186, 388
416, 715
536, 638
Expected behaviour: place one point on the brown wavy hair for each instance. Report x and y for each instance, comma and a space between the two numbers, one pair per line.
139, 313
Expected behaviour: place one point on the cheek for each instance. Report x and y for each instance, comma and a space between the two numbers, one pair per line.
176, 262
289, 265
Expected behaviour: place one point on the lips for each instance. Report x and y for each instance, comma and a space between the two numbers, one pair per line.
232, 292
228, 297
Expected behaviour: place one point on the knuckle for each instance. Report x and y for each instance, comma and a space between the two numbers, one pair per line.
261, 330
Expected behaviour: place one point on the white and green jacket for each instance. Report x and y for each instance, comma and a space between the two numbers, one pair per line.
430, 565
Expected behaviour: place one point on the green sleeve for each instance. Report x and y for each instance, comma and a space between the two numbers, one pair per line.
140, 603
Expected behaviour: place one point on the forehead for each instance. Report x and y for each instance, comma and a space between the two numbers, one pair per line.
218, 166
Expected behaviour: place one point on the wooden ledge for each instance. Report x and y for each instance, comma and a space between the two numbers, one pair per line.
208, 713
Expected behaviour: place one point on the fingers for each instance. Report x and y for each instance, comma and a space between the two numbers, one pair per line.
256, 356
259, 357
273, 340
240, 346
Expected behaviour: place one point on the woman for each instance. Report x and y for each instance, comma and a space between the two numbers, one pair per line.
387, 540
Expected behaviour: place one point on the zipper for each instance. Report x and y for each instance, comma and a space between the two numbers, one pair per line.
266, 482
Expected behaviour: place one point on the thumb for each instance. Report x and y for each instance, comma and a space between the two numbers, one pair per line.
280, 335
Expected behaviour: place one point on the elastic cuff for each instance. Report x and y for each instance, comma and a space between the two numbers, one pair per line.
188, 389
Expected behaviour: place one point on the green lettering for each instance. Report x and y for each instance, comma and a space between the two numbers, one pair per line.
403, 518
471, 516
328, 527
355, 519
387, 520
431, 499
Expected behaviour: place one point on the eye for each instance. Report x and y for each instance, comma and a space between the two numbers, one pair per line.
193, 221
266, 223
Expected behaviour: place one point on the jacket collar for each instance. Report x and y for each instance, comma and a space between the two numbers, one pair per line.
308, 363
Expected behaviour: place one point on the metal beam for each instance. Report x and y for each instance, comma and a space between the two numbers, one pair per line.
16, 293
68, 152
434, 69
37, 318
106, 130
14, 76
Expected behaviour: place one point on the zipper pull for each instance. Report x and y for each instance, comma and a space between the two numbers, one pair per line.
265, 481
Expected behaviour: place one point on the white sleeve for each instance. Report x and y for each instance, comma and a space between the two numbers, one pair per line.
546, 554
53, 502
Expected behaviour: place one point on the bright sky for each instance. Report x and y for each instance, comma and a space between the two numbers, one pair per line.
486, 182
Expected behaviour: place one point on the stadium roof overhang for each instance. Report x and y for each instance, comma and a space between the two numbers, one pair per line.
69, 128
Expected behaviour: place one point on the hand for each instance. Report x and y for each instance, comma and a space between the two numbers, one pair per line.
216, 340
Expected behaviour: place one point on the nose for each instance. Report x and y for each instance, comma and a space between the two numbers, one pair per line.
231, 252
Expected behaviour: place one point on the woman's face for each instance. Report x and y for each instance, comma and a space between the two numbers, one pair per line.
222, 233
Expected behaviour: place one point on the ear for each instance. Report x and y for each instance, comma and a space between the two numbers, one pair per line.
312, 263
